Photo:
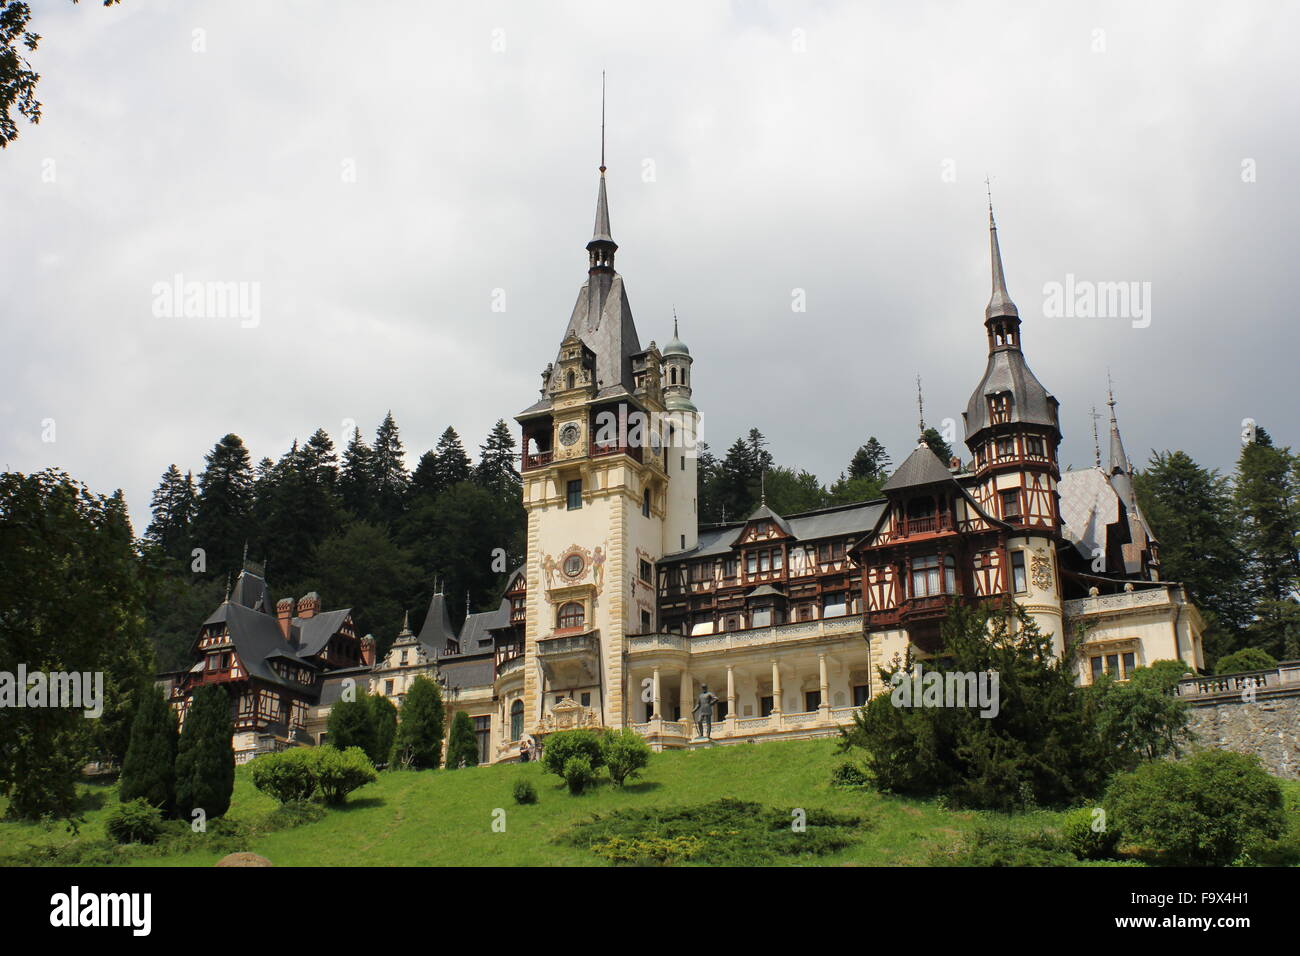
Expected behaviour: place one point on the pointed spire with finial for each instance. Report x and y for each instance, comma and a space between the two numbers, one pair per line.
920, 410
1000, 304
762, 488
1119, 463
1096, 441
227, 600
602, 245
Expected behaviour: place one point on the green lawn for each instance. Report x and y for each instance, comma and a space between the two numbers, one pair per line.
445, 817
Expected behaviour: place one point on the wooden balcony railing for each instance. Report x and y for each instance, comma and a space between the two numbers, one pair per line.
528, 461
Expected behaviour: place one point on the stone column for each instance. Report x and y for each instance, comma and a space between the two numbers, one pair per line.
684, 700
731, 699
775, 721
655, 714
824, 711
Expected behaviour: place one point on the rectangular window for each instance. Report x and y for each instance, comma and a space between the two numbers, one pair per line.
730, 568
1019, 583
761, 617
1011, 504
812, 699
1130, 663
778, 559
575, 494
1112, 665
925, 576
859, 695
483, 731
764, 706
751, 563
586, 699
645, 622
1035, 446
1006, 448
388, 688
644, 568
1096, 663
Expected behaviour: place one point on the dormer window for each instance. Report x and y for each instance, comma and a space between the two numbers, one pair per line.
1000, 408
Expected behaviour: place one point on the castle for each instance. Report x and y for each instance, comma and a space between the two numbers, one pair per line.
627, 606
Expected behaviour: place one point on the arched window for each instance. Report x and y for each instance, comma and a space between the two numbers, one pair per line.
672, 376
571, 615
645, 502
571, 380
516, 719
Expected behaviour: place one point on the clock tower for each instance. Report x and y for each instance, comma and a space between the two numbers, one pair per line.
608, 488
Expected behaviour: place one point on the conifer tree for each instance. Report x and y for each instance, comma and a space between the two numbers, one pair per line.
223, 516
418, 744
870, 461
205, 755
173, 505
356, 478
938, 445
462, 744
350, 725
149, 769
383, 718
388, 466
442, 467
1267, 492
497, 471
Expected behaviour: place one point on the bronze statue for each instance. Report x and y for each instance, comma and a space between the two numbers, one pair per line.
704, 712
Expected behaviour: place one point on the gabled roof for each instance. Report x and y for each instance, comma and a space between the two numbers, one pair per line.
479, 625
857, 518
257, 638
763, 513
921, 467
314, 632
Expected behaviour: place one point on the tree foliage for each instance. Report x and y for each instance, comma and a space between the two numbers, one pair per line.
205, 755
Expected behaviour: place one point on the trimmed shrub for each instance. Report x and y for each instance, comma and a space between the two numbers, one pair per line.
1087, 836
462, 743
383, 715
847, 775
205, 756
578, 774
338, 773
1246, 659
1209, 810
351, 724
525, 792
418, 745
135, 821
625, 754
288, 776
149, 768
558, 747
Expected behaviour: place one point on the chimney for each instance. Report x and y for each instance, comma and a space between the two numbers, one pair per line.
284, 615
368, 650
308, 605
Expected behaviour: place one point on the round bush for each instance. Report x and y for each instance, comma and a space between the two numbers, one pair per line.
338, 773
1207, 810
1087, 836
849, 776
578, 774
525, 792
288, 776
625, 754
134, 822
1246, 659
558, 747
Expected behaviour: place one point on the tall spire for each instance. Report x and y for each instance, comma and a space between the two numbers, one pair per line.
1000, 303
1119, 464
1096, 442
602, 245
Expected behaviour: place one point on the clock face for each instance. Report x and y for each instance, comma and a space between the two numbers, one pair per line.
569, 434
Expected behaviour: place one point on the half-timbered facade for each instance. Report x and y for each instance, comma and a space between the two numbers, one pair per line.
273, 660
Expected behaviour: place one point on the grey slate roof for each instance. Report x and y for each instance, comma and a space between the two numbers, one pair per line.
1000, 303
1007, 371
764, 513
921, 467
857, 518
257, 638
250, 591
601, 231
436, 631
602, 318
314, 632
467, 671
478, 627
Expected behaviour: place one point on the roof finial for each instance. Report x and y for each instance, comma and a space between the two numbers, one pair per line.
602, 122
674, 321
227, 600
920, 407
762, 487
1096, 442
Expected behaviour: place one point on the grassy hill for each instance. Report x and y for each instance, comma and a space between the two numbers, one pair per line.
443, 817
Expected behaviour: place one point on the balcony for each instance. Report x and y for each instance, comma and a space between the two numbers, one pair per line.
599, 451
539, 460
570, 660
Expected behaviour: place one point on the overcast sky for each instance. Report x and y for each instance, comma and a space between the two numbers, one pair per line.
386, 173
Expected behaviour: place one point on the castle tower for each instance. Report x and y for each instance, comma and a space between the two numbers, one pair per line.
602, 505
681, 525
1013, 430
